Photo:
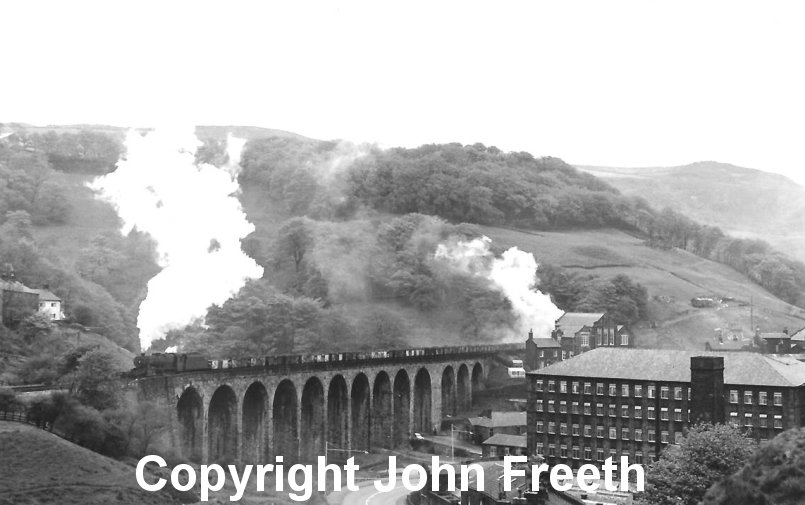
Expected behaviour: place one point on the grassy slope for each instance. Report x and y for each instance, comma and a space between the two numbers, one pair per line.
674, 275
41, 468
745, 202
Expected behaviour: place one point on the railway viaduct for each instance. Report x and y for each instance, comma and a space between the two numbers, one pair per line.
251, 414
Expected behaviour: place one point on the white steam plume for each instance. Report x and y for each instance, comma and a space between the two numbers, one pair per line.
195, 217
514, 275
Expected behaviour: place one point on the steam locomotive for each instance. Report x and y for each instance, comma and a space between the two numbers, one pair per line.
171, 363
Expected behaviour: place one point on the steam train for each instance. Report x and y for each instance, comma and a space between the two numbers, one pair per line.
171, 363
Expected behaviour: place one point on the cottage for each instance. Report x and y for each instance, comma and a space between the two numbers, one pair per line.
503, 444
49, 304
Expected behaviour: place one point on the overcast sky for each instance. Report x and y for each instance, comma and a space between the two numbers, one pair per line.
642, 83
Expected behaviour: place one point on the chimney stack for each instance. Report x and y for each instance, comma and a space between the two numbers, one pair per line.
707, 390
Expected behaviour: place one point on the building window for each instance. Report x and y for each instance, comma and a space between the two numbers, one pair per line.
611, 338
733, 396
677, 393
599, 431
576, 431
747, 398
638, 457
778, 399
624, 411
651, 391
625, 434
588, 430
551, 450
588, 454
575, 452
563, 407
664, 414
540, 448
625, 390
778, 422
551, 427
575, 388
638, 390
638, 435
539, 405
734, 418
588, 388
551, 406
638, 412
588, 410
563, 387
539, 385
764, 422
652, 436
762, 398
599, 409
612, 410
563, 451
613, 389
599, 454
542, 354
664, 437
664, 392
540, 426
598, 339
551, 386
563, 429
748, 419
584, 340
677, 414
613, 433
651, 414
575, 407
624, 339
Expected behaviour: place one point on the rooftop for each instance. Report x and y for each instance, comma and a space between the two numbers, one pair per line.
46, 296
507, 440
780, 335
780, 370
500, 419
546, 343
573, 322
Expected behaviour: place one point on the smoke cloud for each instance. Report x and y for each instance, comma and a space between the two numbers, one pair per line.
195, 217
513, 274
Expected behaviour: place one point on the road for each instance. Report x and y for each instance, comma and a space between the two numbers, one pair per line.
368, 495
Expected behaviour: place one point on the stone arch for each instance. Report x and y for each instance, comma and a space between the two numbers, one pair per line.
190, 413
464, 398
361, 416
313, 420
337, 406
422, 401
477, 379
382, 423
402, 408
255, 424
448, 392
284, 417
222, 425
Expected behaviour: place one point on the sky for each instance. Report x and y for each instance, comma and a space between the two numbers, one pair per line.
615, 83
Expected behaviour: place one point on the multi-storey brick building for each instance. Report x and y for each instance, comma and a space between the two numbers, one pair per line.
634, 402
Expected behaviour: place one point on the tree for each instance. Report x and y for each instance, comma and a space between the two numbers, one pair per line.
684, 472
774, 475
96, 371
294, 240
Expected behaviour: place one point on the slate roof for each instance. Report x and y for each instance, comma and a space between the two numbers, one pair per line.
500, 419
16, 286
46, 296
547, 343
745, 368
573, 322
507, 440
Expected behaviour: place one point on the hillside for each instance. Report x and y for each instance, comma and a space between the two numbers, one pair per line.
741, 201
672, 278
39, 468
